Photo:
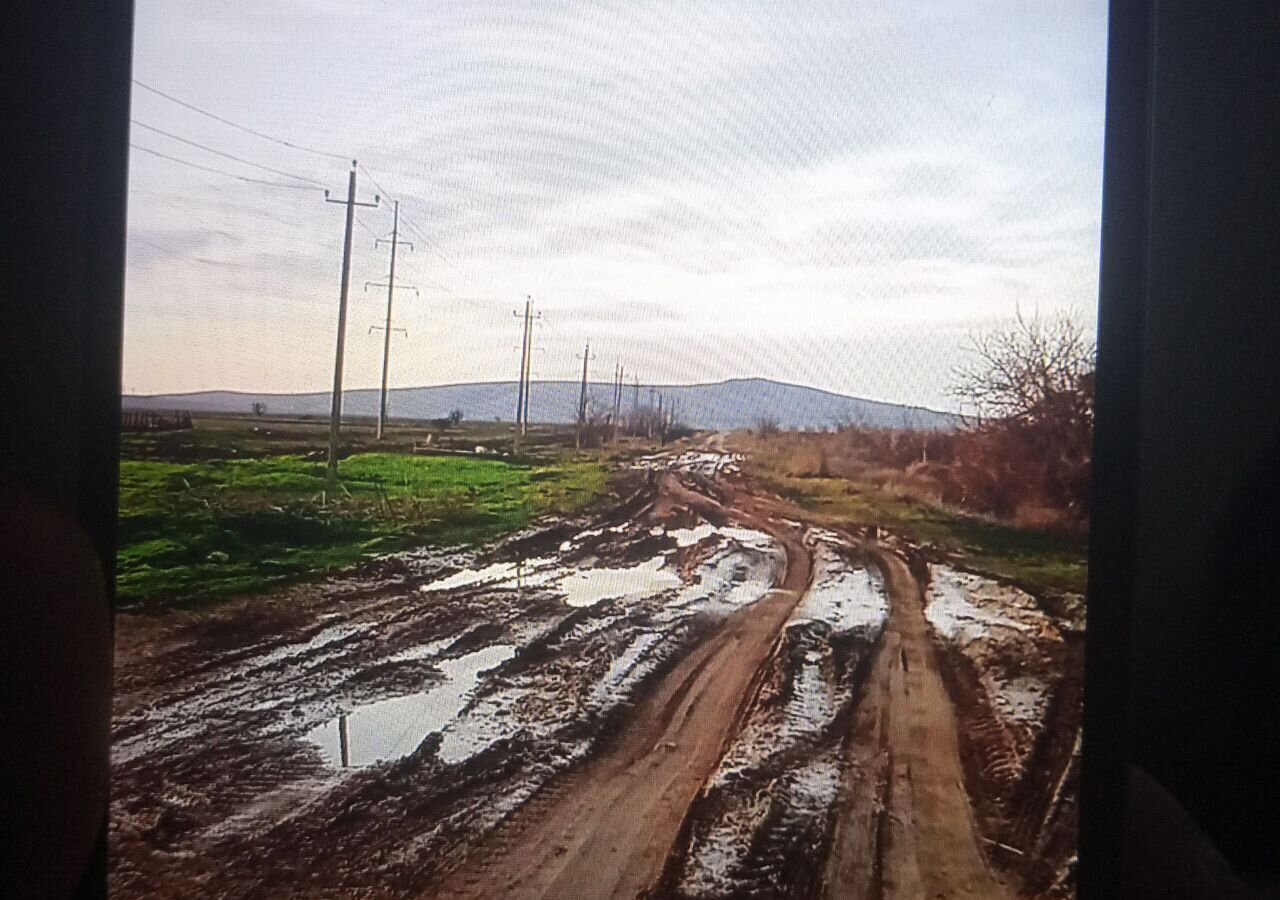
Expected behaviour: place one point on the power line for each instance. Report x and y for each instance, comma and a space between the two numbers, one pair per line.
420, 232
372, 233
296, 187
244, 128
386, 193
433, 245
238, 159
152, 244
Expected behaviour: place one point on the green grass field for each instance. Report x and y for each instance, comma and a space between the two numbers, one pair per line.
194, 530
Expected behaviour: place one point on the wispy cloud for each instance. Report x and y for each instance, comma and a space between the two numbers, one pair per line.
756, 187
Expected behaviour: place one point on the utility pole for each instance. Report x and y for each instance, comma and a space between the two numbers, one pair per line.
386, 337
522, 388
528, 372
617, 400
524, 350
344, 740
335, 415
582, 396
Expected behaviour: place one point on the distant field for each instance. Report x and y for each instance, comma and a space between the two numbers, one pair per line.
237, 437
229, 516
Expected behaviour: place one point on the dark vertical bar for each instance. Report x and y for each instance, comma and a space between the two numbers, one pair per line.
1122, 300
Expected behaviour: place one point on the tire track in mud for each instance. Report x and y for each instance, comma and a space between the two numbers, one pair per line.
607, 829
766, 812
907, 830
613, 824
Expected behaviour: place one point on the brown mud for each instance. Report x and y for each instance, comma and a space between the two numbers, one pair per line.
700, 692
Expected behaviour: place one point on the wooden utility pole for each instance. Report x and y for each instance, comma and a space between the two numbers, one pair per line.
335, 414
386, 337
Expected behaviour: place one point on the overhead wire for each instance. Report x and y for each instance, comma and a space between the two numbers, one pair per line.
244, 128
372, 233
432, 244
311, 184
383, 191
223, 153
203, 168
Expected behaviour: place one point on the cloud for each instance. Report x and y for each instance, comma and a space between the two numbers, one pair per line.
646, 170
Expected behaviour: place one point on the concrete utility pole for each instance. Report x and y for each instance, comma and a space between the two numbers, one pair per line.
617, 400
335, 415
528, 373
528, 370
391, 289
524, 351
344, 740
582, 396
522, 390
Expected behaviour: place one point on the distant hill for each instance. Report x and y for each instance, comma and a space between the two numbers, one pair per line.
724, 406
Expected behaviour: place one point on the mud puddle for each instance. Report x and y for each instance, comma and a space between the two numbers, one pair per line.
389, 729
766, 813
706, 463
1014, 673
419, 715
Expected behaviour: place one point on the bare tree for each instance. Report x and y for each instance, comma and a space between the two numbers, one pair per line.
1032, 384
1028, 370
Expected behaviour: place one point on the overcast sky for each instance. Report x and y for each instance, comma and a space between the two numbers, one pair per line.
832, 194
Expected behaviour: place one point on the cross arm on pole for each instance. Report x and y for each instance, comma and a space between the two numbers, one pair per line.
397, 241
373, 205
399, 287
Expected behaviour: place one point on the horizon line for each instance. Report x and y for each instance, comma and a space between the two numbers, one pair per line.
572, 381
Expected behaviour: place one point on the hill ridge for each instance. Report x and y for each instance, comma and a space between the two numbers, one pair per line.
720, 405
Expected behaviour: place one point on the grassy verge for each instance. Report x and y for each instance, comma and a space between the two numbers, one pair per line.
195, 530
1038, 560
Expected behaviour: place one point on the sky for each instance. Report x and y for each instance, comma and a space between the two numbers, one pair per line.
836, 194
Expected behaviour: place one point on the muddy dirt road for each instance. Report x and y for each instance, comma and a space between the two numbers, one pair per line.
699, 692
919, 833
609, 828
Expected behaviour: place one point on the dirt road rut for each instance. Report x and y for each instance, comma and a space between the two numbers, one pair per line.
607, 830
696, 694
906, 829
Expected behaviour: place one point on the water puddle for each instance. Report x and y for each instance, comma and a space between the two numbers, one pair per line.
687, 537
964, 607
738, 572
389, 729
587, 587
521, 571
845, 597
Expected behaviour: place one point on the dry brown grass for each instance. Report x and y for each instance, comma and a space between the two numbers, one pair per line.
1000, 474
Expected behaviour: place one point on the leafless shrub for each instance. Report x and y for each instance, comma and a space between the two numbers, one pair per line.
1025, 372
